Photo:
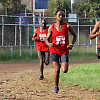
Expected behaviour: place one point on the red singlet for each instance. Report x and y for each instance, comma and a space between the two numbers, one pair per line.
60, 40
99, 44
40, 44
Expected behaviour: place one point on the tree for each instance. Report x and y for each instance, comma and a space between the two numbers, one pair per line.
3, 1
13, 7
80, 1
95, 10
81, 8
91, 7
94, 1
54, 5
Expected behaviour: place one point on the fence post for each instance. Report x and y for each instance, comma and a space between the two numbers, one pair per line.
43, 12
34, 29
2, 30
96, 39
90, 33
15, 33
6, 10
39, 19
20, 35
88, 49
33, 19
11, 51
28, 36
65, 13
78, 31
31, 51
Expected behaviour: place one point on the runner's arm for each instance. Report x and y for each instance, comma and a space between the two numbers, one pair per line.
94, 32
48, 37
34, 38
70, 29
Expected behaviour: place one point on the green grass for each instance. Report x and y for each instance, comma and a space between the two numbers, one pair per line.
86, 76
5, 55
81, 53
77, 53
82, 56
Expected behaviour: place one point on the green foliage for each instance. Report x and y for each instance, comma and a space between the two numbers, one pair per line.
13, 7
94, 1
95, 10
91, 7
86, 76
3, 1
80, 1
54, 5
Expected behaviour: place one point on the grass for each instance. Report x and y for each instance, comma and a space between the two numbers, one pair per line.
5, 55
86, 76
77, 53
81, 53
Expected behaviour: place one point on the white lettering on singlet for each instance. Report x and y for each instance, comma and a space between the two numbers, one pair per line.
42, 37
60, 39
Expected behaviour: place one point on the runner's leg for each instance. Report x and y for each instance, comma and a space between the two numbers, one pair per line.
47, 57
64, 63
55, 59
56, 73
64, 67
40, 55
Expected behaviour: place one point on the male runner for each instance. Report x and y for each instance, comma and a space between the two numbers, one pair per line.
96, 31
59, 47
42, 49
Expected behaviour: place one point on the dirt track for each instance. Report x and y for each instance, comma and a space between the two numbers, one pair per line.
19, 66
19, 81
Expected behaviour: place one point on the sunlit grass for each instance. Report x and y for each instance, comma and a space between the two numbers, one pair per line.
86, 76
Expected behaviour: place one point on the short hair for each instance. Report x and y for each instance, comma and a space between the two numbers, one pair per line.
59, 10
44, 20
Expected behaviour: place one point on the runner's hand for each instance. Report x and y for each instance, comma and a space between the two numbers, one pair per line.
51, 44
34, 38
69, 47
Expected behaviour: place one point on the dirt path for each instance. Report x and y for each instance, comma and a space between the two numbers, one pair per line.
19, 81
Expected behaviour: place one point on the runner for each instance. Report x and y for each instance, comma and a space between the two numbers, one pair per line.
42, 49
59, 47
96, 31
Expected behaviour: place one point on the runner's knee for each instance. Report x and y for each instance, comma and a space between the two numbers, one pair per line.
57, 70
64, 67
46, 62
65, 71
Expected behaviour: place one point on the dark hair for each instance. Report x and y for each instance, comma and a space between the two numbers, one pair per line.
44, 20
59, 10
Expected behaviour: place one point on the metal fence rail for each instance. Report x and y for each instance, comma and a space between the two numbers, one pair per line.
14, 34
34, 46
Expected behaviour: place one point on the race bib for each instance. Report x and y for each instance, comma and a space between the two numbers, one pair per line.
60, 40
42, 37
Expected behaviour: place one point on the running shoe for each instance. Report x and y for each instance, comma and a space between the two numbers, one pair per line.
56, 90
41, 77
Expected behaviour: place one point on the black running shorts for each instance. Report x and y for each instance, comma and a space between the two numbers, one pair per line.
59, 58
44, 54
